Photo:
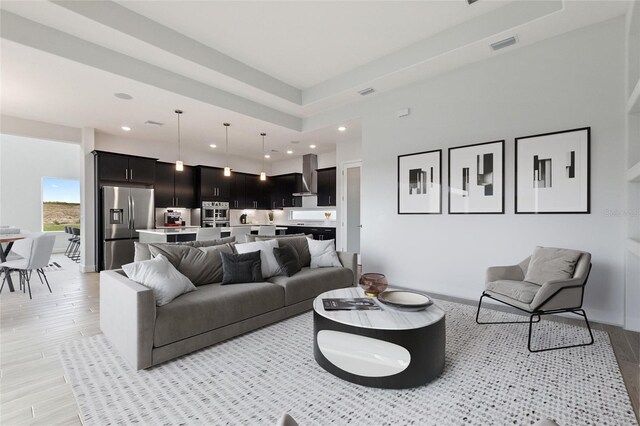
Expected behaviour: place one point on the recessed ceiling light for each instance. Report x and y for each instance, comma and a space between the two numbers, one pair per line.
123, 96
213, 145
267, 156
126, 128
342, 129
289, 152
312, 146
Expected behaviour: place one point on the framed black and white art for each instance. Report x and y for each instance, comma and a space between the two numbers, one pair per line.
476, 178
553, 172
420, 183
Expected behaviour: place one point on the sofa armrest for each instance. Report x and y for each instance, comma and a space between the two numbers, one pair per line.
350, 261
127, 317
570, 298
512, 273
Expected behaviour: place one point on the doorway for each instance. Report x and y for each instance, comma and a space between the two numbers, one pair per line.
351, 226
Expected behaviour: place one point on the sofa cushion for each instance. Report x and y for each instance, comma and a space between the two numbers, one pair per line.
323, 253
521, 291
201, 265
214, 306
309, 283
548, 263
142, 249
288, 260
241, 268
164, 280
297, 241
270, 267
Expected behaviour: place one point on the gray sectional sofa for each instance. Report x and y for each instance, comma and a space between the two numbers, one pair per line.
147, 335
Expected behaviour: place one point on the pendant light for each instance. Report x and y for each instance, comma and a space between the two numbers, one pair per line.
263, 175
227, 169
179, 164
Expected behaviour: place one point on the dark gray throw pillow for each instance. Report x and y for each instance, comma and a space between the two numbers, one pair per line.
287, 259
241, 268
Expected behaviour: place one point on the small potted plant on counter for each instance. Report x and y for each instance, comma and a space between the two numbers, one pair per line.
270, 216
243, 218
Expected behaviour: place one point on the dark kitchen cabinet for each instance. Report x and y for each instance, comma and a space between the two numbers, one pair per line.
113, 167
237, 188
174, 188
256, 193
318, 232
282, 189
326, 187
212, 184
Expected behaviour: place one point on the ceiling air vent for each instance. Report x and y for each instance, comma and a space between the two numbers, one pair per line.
503, 43
155, 123
471, 1
367, 91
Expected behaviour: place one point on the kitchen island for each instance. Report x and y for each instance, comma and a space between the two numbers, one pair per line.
181, 234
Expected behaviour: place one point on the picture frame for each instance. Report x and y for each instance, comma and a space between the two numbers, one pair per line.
476, 178
553, 172
420, 183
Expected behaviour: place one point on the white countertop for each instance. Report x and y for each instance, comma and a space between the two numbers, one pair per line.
177, 227
388, 318
319, 225
194, 230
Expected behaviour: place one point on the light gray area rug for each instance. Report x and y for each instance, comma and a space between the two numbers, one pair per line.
489, 379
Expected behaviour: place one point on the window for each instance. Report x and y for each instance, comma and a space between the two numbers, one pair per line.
60, 204
311, 215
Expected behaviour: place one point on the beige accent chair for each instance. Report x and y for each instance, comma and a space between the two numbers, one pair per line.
506, 284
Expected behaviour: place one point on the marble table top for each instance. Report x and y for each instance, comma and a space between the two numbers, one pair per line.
389, 318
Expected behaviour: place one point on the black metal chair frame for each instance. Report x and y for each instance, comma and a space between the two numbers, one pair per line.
25, 279
539, 312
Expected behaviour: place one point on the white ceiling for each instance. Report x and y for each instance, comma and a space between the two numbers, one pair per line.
262, 66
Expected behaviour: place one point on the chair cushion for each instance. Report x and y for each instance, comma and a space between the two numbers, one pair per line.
201, 265
214, 306
548, 263
309, 283
521, 291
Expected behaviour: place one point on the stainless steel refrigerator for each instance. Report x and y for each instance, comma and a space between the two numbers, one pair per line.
124, 210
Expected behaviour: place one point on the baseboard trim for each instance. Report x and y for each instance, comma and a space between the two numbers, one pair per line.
87, 268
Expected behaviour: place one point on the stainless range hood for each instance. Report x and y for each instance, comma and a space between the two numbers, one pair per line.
309, 176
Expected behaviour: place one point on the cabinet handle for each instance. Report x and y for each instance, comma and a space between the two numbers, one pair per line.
131, 173
177, 201
329, 199
283, 202
126, 174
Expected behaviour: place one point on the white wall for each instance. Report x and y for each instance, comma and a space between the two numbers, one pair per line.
566, 82
23, 163
346, 151
294, 165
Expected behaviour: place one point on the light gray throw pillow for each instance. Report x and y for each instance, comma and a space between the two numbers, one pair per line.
159, 275
323, 254
548, 263
201, 265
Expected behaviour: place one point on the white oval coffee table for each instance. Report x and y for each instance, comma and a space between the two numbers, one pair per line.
387, 348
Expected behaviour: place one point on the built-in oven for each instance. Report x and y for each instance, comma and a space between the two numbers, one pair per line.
215, 213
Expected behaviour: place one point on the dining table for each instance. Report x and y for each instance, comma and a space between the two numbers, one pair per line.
8, 239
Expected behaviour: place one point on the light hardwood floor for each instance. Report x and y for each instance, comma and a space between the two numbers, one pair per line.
33, 388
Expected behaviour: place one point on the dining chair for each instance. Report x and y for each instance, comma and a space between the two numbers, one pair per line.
208, 234
239, 232
267, 230
35, 260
